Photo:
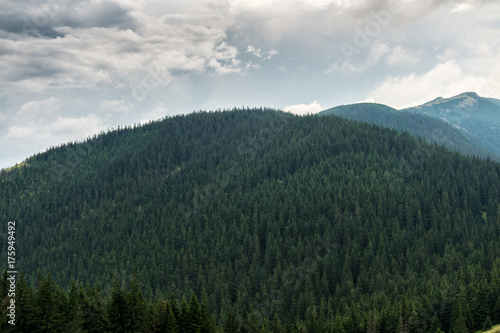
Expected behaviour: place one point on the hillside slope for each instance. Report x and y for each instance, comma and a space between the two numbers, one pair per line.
477, 117
308, 221
420, 125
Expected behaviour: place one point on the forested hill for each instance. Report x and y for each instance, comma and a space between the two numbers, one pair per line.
287, 223
417, 124
477, 117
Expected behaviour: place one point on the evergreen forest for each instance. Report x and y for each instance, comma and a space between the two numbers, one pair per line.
253, 220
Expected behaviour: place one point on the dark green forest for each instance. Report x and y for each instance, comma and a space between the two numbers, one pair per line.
254, 221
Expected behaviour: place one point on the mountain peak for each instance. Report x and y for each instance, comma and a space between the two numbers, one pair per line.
469, 94
477, 116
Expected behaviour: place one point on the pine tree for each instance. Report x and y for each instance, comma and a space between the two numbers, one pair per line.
231, 325
207, 320
50, 307
338, 324
136, 307
95, 312
25, 307
194, 315
459, 325
487, 324
184, 322
163, 320
117, 309
75, 312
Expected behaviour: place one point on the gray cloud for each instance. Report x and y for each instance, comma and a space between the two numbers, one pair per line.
105, 63
43, 18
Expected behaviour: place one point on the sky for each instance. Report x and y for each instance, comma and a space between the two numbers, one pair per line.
70, 69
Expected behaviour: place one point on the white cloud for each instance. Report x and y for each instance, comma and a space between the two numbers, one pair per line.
445, 79
24, 132
257, 51
462, 8
158, 112
76, 128
33, 108
64, 128
399, 55
24, 139
377, 51
114, 105
302, 109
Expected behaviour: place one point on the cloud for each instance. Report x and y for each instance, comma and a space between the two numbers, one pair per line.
76, 127
445, 79
303, 109
399, 55
33, 108
32, 136
127, 60
462, 8
158, 112
69, 128
99, 50
39, 18
256, 51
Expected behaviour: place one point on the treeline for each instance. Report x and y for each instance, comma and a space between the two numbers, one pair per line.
287, 222
48, 308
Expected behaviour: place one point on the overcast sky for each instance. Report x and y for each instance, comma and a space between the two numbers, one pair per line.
72, 68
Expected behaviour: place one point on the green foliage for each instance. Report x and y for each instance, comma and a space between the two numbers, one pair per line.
118, 311
293, 223
487, 324
231, 325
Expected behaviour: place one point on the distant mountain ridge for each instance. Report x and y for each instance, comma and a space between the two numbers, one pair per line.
477, 117
467, 122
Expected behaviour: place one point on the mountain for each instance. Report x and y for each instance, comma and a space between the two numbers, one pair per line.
477, 117
285, 223
421, 125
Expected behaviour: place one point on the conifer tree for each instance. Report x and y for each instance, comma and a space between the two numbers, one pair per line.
50, 306
207, 320
337, 324
163, 320
95, 312
231, 325
487, 324
117, 309
25, 307
136, 307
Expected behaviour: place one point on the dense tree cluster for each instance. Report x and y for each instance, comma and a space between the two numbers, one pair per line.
47, 308
286, 223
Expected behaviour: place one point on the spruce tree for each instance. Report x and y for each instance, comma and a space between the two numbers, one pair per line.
25, 307
49, 303
136, 307
95, 311
231, 325
487, 324
117, 309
